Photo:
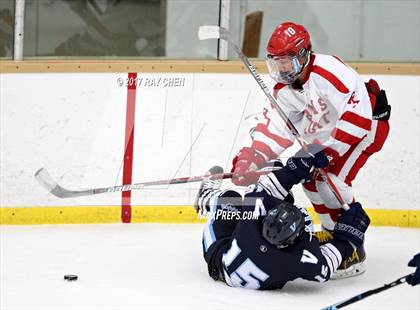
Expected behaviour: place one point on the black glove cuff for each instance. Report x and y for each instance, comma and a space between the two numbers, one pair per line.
347, 232
382, 110
341, 227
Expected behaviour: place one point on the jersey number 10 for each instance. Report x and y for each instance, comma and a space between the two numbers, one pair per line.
289, 32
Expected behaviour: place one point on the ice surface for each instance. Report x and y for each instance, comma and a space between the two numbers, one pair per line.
157, 266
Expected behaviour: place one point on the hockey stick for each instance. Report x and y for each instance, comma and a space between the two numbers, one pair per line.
366, 294
216, 32
45, 179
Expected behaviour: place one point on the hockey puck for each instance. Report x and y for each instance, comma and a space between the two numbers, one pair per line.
70, 277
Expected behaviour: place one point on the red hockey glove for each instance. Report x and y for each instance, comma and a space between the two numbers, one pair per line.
373, 87
244, 165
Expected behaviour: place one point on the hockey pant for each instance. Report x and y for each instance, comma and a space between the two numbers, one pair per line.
343, 173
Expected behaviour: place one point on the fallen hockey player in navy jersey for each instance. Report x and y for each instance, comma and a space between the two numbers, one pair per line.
262, 241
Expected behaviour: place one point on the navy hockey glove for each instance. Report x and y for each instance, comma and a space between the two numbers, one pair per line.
303, 163
352, 225
414, 279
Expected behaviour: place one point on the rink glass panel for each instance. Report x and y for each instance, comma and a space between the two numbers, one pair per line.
125, 28
374, 30
95, 28
7, 20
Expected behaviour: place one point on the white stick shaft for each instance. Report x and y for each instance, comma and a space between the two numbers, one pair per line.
224, 23
45, 179
19, 26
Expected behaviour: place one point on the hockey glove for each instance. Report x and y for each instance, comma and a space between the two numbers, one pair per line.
332, 156
382, 110
244, 165
352, 225
302, 164
414, 279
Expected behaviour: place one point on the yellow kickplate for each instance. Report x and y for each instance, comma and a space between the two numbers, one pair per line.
401, 218
161, 214
164, 214
60, 215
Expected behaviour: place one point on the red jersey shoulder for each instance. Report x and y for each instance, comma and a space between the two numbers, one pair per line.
279, 86
333, 70
276, 89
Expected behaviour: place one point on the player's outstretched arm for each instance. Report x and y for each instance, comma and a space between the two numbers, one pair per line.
298, 168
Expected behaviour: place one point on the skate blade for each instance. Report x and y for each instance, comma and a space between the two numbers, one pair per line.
352, 271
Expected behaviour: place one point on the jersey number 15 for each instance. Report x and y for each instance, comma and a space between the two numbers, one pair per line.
247, 275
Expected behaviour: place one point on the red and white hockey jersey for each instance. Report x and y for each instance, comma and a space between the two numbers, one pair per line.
333, 108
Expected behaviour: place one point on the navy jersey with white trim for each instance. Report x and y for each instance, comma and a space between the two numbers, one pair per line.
237, 253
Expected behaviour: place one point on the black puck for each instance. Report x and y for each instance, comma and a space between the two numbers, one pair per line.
70, 277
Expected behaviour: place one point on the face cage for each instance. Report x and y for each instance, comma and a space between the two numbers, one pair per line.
287, 76
290, 241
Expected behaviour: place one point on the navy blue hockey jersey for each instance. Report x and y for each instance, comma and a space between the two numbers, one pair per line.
237, 253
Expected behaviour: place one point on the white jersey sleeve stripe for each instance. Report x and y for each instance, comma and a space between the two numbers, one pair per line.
267, 132
357, 120
329, 261
272, 186
337, 146
332, 255
351, 129
334, 251
275, 147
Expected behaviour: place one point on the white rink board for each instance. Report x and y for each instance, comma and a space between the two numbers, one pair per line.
74, 125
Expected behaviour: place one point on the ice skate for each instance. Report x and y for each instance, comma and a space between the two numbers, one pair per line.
352, 266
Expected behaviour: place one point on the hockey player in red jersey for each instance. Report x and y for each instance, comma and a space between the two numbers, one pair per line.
330, 105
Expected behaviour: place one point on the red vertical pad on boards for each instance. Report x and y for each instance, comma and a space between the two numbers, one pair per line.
129, 143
